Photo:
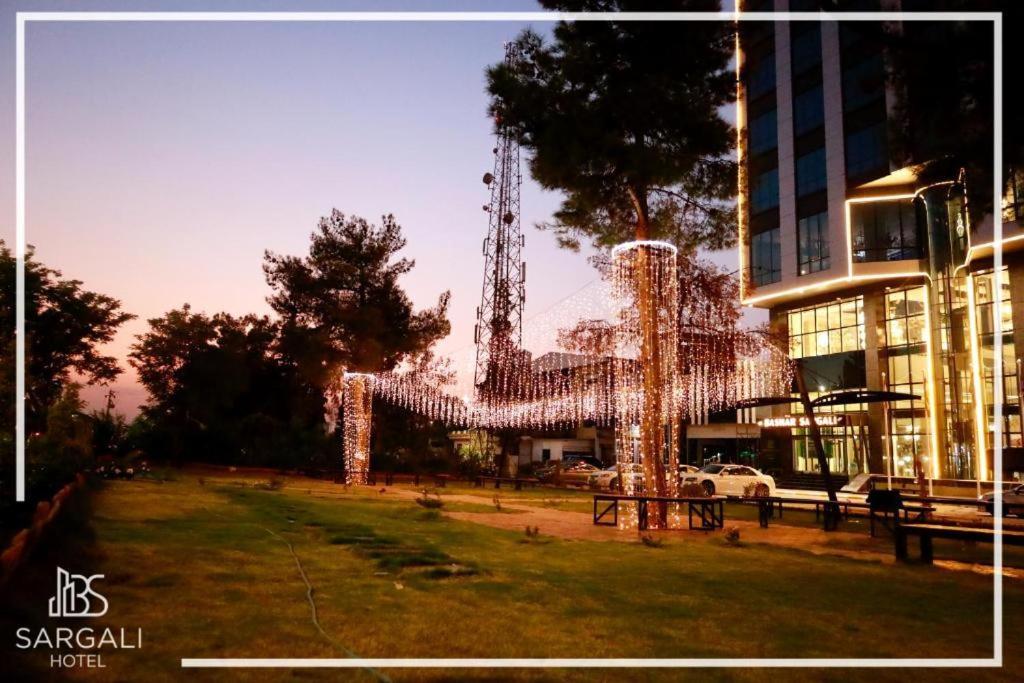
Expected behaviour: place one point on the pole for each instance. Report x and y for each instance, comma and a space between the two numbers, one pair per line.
832, 511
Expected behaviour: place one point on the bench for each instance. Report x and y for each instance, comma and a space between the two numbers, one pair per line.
710, 511
517, 482
926, 532
440, 480
768, 505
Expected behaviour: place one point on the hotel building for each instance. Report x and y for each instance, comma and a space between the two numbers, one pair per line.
876, 279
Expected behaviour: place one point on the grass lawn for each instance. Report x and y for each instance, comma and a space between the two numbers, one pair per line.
206, 571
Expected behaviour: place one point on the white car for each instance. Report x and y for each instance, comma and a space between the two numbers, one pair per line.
608, 478
1013, 501
732, 480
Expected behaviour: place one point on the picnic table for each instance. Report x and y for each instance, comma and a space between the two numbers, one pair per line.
709, 510
927, 532
517, 482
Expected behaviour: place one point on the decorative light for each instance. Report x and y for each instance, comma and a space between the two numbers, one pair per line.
357, 403
663, 357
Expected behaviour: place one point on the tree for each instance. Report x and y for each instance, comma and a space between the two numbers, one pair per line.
342, 306
219, 392
65, 327
623, 118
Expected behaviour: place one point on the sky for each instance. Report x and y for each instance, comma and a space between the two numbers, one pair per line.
163, 159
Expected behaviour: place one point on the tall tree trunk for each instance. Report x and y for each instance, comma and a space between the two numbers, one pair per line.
652, 428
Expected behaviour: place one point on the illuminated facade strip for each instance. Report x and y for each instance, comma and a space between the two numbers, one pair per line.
976, 380
930, 380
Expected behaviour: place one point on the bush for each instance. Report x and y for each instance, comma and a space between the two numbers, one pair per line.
430, 503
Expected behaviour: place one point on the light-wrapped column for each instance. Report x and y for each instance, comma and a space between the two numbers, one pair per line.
358, 408
646, 288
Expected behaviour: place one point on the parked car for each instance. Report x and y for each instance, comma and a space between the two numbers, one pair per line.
732, 480
608, 478
1013, 501
570, 458
574, 471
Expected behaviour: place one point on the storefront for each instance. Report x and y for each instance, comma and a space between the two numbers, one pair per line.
844, 436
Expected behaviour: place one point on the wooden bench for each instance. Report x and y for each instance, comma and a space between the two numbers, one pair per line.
768, 505
517, 482
926, 532
440, 480
710, 511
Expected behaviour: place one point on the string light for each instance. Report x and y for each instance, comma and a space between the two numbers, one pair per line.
357, 404
656, 354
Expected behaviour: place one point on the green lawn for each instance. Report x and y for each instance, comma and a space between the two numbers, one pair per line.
206, 572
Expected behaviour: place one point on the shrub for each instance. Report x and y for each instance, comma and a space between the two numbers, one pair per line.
430, 503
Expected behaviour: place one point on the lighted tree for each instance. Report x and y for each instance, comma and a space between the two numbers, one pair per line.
623, 118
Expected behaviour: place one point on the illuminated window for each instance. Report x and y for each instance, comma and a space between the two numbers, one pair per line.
765, 257
812, 236
992, 296
906, 371
885, 231
830, 328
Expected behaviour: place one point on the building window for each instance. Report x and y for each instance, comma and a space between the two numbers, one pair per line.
906, 372
764, 191
825, 329
810, 172
863, 83
867, 151
806, 49
761, 76
808, 111
988, 291
885, 231
766, 257
812, 236
764, 134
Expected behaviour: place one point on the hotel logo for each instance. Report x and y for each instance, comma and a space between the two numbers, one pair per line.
75, 596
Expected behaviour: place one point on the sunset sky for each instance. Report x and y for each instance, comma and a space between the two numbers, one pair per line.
164, 158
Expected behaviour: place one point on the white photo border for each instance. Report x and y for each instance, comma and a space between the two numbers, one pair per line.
23, 18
